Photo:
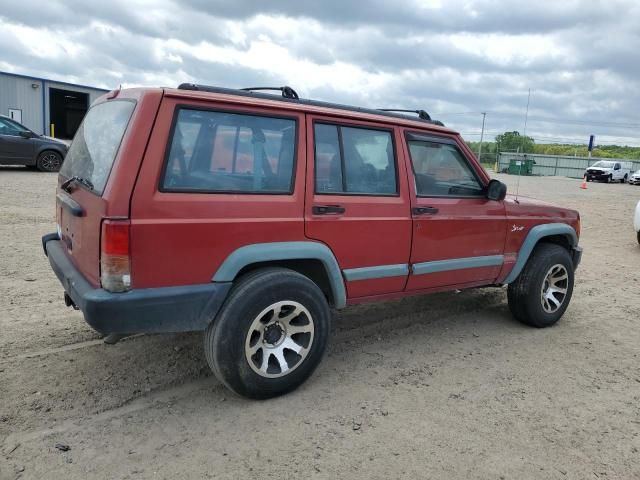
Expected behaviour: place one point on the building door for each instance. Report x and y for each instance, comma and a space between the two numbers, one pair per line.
458, 234
67, 108
357, 202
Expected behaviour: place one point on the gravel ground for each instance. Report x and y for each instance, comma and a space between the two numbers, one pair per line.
445, 386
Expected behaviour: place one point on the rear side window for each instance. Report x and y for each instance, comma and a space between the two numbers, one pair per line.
218, 152
96, 143
354, 161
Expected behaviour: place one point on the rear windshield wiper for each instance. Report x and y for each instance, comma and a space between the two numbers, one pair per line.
66, 185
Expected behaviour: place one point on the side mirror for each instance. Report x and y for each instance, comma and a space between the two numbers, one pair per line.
496, 190
26, 134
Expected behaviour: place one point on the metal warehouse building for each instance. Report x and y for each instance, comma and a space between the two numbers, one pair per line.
45, 106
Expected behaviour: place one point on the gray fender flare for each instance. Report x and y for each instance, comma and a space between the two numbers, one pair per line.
533, 237
267, 252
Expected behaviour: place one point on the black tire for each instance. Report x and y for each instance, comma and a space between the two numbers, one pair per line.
525, 293
224, 340
609, 178
624, 180
638, 235
49, 161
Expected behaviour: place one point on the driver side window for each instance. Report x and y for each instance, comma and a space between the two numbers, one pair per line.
441, 170
8, 128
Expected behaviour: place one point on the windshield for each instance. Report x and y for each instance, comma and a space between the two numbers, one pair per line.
96, 143
603, 164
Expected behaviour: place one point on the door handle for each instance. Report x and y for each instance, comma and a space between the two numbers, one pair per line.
424, 210
327, 210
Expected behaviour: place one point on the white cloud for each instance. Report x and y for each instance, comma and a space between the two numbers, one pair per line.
579, 58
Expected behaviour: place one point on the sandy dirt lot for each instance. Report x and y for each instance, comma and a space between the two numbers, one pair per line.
442, 387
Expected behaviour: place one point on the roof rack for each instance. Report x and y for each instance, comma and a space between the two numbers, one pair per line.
287, 92
287, 96
422, 114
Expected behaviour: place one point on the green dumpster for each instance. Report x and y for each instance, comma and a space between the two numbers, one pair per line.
521, 167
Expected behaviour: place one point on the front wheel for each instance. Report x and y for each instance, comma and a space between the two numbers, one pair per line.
270, 335
541, 293
49, 161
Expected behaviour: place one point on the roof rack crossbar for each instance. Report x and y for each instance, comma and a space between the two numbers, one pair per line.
287, 92
421, 113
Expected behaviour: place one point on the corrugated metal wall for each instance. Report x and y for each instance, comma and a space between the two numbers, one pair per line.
18, 92
548, 165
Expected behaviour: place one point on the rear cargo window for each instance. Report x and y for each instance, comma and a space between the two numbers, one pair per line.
218, 152
96, 143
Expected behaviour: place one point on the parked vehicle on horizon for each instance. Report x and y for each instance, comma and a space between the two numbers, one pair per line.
609, 171
248, 216
21, 146
634, 179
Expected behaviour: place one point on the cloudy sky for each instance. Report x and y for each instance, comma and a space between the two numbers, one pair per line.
455, 59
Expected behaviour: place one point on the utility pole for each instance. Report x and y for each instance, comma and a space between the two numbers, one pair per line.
484, 115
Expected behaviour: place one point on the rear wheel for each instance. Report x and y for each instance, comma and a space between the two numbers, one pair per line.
624, 180
542, 292
270, 335
49, 161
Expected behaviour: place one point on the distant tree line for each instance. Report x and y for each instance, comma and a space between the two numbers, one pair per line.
514, 142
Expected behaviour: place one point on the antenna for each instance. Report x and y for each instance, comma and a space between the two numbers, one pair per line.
524, 136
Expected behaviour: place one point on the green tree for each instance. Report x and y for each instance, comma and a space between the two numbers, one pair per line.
513, 141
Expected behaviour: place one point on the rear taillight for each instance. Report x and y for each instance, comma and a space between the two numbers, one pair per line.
115, 265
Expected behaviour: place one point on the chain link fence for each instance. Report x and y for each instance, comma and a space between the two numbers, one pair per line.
557, 165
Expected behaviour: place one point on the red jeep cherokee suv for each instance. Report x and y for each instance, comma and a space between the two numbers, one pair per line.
248, 216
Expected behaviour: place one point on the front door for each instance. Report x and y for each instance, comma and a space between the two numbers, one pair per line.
13, 147
458, 234
357, 202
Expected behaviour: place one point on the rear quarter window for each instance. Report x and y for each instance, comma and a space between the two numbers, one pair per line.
96, 143
224, 152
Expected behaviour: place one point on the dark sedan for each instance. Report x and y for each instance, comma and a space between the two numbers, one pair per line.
21, 146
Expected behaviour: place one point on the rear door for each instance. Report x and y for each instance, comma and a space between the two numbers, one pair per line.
217, 176
357, 202
106, 154
458, 234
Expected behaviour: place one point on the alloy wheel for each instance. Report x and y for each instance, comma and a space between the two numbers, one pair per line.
279, 339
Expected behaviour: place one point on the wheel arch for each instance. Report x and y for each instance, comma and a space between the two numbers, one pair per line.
49, 148
312, 259
558, 233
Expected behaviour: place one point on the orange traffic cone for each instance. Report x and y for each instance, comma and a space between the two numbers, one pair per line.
584, 183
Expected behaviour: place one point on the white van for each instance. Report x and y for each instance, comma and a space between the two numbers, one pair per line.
608, 171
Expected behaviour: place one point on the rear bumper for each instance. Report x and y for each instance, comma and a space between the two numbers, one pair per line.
149, 310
